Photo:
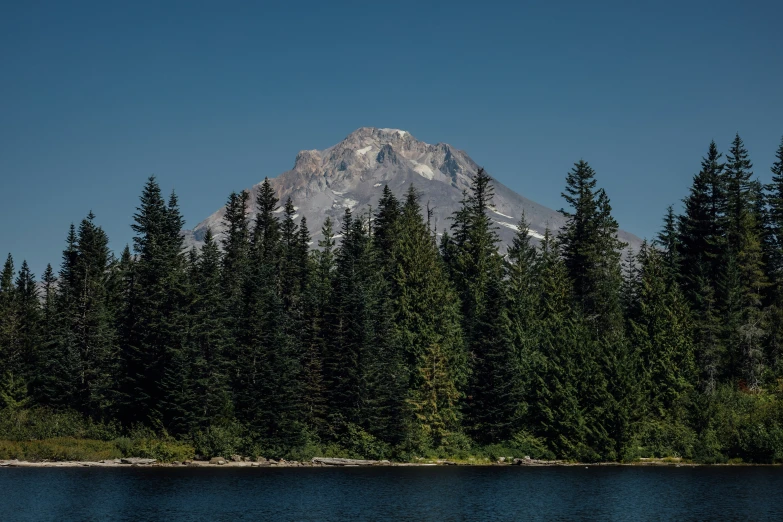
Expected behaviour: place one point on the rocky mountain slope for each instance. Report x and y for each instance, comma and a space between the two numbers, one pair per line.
352, 174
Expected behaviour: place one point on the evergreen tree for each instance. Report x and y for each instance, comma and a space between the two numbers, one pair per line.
267, 390
521, 328
210, 338
29, 312
668, 241
567, 388
234, 274
591, 253
661, 329
93, 323
12, 387
360, 362
774, 259
44, 378
318, 300
477, 271
702, 232
744, 281
591, 250
154, 352
385, 224
427, 329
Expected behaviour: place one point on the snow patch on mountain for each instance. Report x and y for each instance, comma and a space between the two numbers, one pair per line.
507, 225
502, 214
424, 170
530, 232
401, 133
364, 150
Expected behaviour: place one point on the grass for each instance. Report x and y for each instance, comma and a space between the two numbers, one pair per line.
91, 450
59, 449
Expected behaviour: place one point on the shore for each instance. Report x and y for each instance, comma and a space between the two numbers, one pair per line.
334, 463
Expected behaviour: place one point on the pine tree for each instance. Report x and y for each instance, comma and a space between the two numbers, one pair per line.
93, 323
362, 390
702, 232
477, 271
774, 259
154, 351
775, 200
385, 223
744, 281
267, 390
210, 338
591, 250
521, 329
28, 314
567, 386
13, 388
45, 382
591, 253
318, 299
668, 241
234, 273
661, 328
426, 322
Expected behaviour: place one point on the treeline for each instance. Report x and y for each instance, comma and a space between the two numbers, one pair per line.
387, 341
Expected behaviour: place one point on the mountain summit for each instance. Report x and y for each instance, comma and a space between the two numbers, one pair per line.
352, 174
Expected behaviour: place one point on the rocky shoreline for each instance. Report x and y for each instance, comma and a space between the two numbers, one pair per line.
246, 462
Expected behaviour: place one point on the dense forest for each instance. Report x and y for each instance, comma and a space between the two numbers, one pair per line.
394, 340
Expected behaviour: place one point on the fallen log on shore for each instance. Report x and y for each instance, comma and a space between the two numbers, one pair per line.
325, 461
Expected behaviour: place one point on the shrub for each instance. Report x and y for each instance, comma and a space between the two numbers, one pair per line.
59, 449
219, 441
364, 445
43, 423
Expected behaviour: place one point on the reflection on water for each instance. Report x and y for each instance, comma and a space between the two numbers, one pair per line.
415, 494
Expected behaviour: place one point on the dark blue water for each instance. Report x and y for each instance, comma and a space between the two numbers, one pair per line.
416, 494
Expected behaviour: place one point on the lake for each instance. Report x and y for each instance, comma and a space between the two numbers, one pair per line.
398, 493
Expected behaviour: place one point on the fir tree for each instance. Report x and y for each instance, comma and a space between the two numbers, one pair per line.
477, 269
318, 299
385, 224
426, 320
744, 281
210, 338
93, 323
362, 389
154, 350
774, 259
234, 273
702, 231
267, 390
661, 329
668, 241
565, 379
12, 386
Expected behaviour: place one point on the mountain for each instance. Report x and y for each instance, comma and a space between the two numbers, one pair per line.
352, 174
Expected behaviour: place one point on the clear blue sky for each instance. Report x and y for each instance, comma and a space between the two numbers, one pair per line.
213, 96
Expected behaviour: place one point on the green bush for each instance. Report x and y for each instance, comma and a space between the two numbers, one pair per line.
59, 449
162, 450
364, 445
43, 423
220, 441
314, 449
658, 438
